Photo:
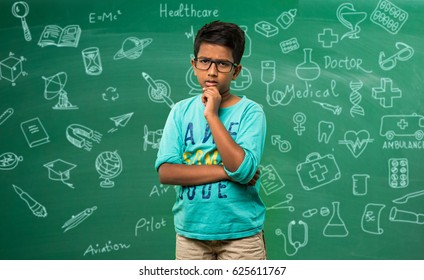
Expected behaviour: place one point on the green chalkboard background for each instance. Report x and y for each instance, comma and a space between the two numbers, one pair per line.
341, 83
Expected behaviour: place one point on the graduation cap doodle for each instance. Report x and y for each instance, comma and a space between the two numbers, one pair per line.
59, 170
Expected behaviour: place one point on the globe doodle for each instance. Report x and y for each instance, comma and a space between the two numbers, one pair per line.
108, 165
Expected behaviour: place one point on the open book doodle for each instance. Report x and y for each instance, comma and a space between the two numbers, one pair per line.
61, 37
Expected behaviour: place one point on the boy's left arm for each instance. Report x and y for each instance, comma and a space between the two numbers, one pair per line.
241, 160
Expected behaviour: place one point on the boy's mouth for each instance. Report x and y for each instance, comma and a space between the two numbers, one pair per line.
211, 83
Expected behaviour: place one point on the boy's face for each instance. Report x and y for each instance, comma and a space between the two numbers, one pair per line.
212, 77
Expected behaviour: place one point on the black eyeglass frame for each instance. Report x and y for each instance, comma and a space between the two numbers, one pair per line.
215, 61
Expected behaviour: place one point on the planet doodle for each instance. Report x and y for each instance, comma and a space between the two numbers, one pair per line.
132, 48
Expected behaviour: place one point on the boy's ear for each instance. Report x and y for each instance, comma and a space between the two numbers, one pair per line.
237, 71
194, 67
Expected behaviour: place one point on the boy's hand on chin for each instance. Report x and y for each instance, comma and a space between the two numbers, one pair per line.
211, 98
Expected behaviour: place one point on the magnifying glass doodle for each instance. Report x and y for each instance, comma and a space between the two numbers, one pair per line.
21, 10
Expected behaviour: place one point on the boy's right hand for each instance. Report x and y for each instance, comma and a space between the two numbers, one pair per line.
211, 98
255, 178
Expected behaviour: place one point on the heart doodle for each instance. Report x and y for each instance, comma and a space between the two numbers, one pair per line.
356, 141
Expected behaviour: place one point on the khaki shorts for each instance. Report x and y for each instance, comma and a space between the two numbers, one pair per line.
247, 248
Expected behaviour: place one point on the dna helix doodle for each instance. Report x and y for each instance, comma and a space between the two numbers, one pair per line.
355, 98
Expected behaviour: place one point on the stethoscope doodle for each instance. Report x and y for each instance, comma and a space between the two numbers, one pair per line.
296, 244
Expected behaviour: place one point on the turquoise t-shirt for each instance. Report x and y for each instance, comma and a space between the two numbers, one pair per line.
221, 210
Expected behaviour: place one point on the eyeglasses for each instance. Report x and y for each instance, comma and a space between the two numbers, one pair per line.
223, 66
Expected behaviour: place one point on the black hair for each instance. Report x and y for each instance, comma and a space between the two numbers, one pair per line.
222, 33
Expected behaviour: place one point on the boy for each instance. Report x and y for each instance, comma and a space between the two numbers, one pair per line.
211, 147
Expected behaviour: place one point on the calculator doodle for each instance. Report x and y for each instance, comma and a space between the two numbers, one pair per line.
398, 172
389, 16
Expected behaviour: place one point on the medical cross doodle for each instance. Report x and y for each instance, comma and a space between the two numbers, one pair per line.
386, 93
402, 124
328, 38
318, 171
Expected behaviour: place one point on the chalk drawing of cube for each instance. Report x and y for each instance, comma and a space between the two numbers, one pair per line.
10, 68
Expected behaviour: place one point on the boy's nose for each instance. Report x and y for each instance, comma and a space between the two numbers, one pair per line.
213, 69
